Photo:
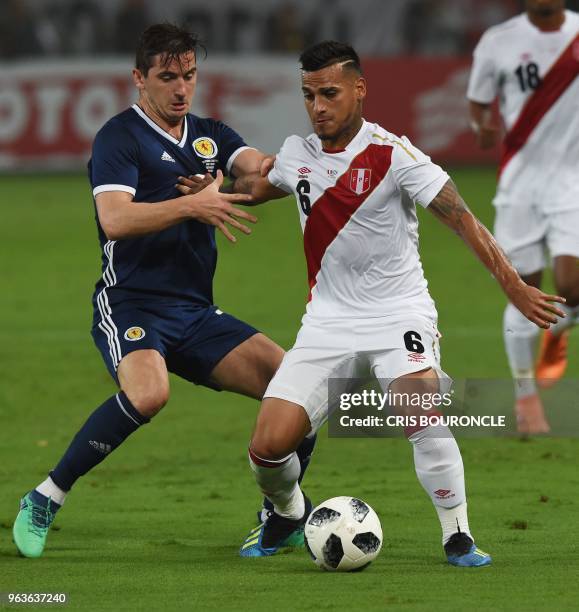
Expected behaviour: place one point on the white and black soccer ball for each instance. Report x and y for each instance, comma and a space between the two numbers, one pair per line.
343, 534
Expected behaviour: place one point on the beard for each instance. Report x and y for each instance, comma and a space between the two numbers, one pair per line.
547, 10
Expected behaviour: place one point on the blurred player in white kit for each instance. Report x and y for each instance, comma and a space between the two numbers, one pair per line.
357, 186
531, 63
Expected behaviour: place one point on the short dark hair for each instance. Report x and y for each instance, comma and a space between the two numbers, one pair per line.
327, 53
166, 39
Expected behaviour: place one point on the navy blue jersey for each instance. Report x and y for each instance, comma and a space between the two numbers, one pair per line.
132, 153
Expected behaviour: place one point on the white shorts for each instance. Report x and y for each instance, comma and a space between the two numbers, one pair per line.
526, 233
384, 347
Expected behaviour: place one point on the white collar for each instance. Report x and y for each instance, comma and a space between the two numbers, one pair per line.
351, 145
159, 129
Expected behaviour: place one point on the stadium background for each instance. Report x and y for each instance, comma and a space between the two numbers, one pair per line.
158, 524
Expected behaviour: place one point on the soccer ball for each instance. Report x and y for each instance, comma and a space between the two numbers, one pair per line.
343, 534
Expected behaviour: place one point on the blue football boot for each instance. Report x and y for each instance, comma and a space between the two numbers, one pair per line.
274, 533
461, 551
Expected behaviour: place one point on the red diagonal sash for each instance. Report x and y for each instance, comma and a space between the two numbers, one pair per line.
334, 208
562, 73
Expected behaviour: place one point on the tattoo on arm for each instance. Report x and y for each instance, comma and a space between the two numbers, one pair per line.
258, 187
449, 207
238, 185
244, 183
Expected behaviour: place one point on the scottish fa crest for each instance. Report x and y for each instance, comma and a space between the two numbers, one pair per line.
205, 148
134, 333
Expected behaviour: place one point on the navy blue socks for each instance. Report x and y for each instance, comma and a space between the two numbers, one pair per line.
105, 429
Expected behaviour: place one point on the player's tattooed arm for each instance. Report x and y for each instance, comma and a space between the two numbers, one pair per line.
254, 184
449, 207
258, 187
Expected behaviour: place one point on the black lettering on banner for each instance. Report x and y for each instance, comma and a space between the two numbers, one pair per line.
413, 342
303, 188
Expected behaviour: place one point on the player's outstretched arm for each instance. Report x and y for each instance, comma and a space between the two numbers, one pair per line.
248, 161
121, 217
449, 207
481, 121
257, 187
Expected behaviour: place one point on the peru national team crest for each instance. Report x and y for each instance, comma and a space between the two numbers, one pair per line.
360, 180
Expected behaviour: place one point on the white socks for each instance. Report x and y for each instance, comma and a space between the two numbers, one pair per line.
521, 337
438, 465
278, 481
49, 489
439, 468
453, 519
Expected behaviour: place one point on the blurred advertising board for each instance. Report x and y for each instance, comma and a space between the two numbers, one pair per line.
50, 111
424, 99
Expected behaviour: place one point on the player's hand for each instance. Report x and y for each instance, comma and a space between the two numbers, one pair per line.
267, 164
215, 208
487, 136
537, 306
193, 183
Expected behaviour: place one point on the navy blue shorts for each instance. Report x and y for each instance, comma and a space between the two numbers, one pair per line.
192, 340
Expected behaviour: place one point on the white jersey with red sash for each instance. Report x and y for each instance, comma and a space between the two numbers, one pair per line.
358, 213
535, 73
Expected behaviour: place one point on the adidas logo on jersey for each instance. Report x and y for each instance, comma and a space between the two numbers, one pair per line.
167, 157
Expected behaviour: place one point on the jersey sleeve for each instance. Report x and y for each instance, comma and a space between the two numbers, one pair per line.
114, 161
483, 80
415, 174
278, 174
230, 145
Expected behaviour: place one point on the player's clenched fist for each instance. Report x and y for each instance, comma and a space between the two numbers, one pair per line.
536, 305
215, 208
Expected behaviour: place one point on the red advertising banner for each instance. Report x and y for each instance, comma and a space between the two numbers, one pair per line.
50, 112
424, 99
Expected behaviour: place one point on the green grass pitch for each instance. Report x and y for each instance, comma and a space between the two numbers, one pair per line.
158, 524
